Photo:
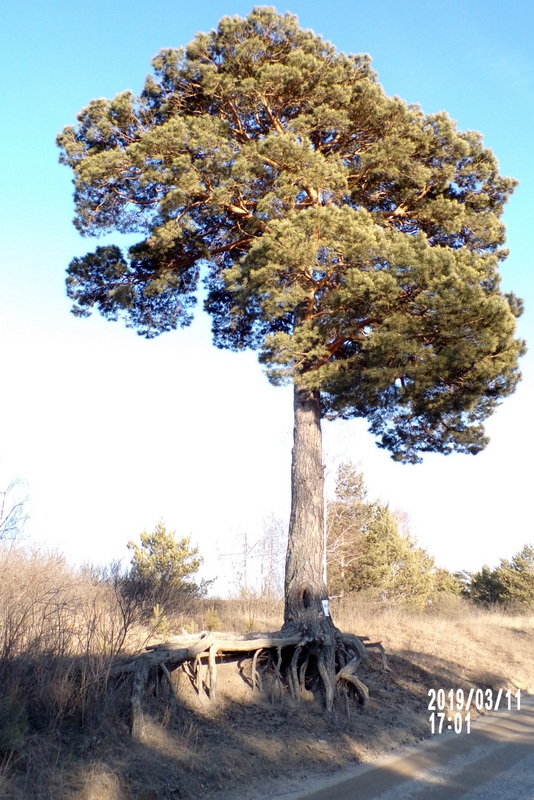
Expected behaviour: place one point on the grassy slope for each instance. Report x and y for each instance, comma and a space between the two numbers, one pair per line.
78, 747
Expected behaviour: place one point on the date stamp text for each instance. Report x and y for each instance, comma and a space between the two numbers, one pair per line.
450, 709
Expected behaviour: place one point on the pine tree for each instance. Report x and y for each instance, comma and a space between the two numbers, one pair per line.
447, 583
348, 237
511, 583
162, 568
485, 587
517, 577
366, 550
349, 516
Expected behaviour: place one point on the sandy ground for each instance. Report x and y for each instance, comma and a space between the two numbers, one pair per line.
305, 750
242, 746
494, 761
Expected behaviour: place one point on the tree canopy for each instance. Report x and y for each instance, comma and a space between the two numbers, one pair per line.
350, 238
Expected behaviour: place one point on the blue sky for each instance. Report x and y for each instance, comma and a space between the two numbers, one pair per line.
111, 433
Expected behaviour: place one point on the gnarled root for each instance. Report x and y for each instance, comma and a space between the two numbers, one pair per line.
347, 673
297, 660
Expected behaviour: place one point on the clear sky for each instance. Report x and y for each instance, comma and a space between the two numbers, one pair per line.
110, 432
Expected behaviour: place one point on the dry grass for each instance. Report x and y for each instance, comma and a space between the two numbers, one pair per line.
59, 633
64, 725
482, 646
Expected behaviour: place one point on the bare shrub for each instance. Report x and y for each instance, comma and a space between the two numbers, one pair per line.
12, 511
60, 630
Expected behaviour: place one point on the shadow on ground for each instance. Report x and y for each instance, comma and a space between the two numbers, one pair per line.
239, 744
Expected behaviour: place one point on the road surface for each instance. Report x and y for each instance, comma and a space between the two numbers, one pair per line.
493, 762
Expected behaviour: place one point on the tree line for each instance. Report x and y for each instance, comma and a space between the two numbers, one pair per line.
369, 550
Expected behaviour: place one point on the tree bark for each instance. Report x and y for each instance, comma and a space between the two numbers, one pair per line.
306, 596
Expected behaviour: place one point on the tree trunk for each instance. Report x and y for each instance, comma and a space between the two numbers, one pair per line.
309, 653
306, 597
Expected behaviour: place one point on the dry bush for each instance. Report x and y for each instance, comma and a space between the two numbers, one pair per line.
59, 633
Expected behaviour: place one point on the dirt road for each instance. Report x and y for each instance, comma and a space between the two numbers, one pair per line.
493, 762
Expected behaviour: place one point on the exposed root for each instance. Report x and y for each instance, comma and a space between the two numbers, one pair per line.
293, 676
138, 687
378, 646
326, 669
302, 674
256, 676
298, 661
347, 673
277, 687
168, 678
212, 670
355, 644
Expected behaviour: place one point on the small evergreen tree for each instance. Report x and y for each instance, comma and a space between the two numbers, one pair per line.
348, 518
512, 582
485, 587
366, 551
517, 577
162, 568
